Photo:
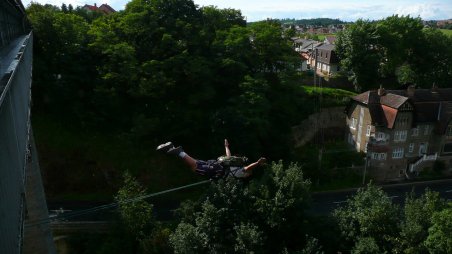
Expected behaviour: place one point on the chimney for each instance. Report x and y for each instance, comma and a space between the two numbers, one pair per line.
95, 5
381, 91
410, 91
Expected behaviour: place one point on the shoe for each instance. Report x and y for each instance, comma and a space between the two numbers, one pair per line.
165, 147
175, 150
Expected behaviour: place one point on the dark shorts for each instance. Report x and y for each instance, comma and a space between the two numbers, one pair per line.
210, 168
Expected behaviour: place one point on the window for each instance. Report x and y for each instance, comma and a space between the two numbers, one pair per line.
400, 135
415, 132
397, 153
411, 148
381, 136
448, 148
423, 148
427, 130
369, 128
402, 121
326, 56
379, 156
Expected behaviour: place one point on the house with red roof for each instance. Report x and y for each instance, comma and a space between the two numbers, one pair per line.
104, 8
402, 132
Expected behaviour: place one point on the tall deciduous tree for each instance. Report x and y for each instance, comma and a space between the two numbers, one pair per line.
439, 239
369, 219
360, 54
397, 48
261, 217
418, 214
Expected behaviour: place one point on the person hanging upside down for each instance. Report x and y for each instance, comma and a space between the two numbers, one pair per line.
214, 168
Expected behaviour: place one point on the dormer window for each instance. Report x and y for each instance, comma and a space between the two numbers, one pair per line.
381, 136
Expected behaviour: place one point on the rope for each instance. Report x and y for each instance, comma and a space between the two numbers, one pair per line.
108, 206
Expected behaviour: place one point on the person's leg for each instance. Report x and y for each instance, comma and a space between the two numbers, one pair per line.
184, 156
190, 162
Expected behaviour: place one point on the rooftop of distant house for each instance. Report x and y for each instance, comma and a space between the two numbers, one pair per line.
105, 8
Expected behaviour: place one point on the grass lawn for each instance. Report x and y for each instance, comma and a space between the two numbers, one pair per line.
323, 36
332, 96
446, 31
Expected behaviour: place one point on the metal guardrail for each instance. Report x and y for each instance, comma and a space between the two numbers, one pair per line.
15, 101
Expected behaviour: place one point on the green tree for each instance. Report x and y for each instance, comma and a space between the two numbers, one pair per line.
360, 54
369, 216
136, 217
399, 39
394, 49
135, 213
64, 8
418, 214
61, 41
439, 239
435, 48
261, 217
366, 245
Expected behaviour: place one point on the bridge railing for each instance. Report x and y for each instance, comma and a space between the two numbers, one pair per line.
15, 100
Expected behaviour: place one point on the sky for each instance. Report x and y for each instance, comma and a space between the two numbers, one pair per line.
347, 10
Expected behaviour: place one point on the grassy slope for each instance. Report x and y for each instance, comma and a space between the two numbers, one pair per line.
88, 165
446, 31
331, 96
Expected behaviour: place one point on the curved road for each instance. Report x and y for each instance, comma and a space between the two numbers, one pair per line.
325, 202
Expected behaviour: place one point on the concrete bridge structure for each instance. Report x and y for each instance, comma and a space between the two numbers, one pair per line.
22, 196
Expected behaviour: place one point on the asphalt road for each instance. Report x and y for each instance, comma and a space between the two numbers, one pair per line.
326, 202
323, 202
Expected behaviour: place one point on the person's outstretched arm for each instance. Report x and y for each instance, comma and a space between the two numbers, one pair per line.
226, 148
254, 165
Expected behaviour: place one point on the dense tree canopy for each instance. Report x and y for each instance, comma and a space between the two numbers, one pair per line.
150, 69
260, 217
398, 49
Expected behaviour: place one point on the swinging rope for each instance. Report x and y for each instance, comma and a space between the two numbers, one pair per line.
108, 206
